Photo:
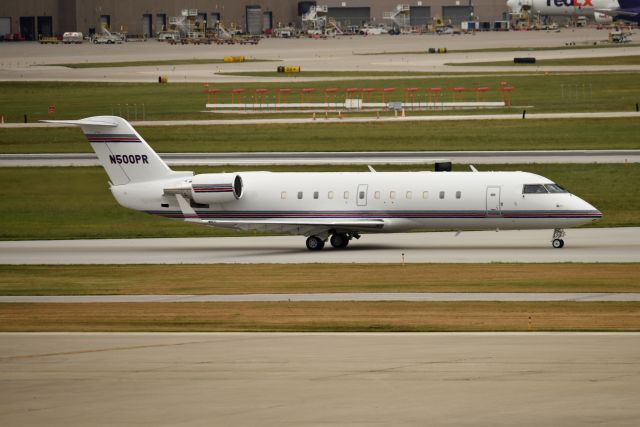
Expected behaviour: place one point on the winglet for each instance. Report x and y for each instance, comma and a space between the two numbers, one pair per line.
88, 122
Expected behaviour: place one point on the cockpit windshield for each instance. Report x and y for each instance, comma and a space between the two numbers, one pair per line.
555, 188
534, 189
542, 189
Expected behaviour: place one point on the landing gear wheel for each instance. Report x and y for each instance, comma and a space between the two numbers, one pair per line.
339, 241
556, 240
315, 243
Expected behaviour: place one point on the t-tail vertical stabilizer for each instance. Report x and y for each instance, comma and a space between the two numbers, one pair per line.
124, 154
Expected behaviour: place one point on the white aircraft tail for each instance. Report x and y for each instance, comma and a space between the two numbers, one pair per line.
124, 154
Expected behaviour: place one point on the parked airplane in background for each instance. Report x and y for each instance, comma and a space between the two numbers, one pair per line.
603, 11
334, 206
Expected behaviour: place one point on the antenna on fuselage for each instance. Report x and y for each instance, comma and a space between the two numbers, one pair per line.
371, 168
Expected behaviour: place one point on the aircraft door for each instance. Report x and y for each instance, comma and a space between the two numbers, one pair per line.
493, 201
361, 197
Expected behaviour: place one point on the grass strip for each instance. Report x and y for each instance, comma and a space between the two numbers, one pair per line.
321, 317
546, 91
315, 278
151, 63
75, 203
600, 60
561, 134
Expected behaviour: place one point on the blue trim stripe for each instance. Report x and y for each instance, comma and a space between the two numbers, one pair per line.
104, 137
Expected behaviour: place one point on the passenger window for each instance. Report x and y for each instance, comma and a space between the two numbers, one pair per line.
346, 195
376, 195
442, 194
392, 194
425, 195
299, 194
283, 195
330, 195
458, 194
534, 189
316, 194
409, 194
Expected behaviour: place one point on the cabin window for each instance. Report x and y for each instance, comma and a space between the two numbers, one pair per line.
392, 194
534, 189
316, 194
376, 195
425, 195
165, 205
330, 195
458, 194
409, 194
283, 195
346, 195
555, 188
442, 194
299, 194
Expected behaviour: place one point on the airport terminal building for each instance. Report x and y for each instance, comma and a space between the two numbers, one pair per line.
32, 19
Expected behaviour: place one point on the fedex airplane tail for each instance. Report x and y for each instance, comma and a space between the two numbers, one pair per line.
121, 150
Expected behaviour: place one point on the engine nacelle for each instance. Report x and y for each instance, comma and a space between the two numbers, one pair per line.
602, 18
216, 188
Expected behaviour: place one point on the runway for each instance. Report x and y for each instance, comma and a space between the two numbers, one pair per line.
341, 158
480, 379
333, 297
529, 246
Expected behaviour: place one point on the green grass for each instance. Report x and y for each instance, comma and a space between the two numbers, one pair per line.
151, 63
504, 49
581, 134
603, 92
73, 203
314, 278
600, 60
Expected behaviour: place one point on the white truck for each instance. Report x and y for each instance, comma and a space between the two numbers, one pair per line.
70, 37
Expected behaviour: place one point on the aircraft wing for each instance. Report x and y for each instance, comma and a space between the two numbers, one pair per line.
302, 226
297, 226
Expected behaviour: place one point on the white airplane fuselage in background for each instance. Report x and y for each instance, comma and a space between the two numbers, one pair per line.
330, 205
590, 8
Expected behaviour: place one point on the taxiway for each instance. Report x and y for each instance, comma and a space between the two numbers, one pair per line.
481, 379
582, 245
340, 158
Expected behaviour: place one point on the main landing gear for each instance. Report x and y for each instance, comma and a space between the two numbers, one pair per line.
337, 240
557, 241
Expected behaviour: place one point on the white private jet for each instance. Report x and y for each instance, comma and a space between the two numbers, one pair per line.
334, 206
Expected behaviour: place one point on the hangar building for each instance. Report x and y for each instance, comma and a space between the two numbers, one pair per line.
35, 18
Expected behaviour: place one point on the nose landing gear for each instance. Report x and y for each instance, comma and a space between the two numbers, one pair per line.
557, 241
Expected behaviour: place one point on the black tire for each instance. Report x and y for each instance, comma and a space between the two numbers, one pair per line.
557, 243
314, 243
339, 241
